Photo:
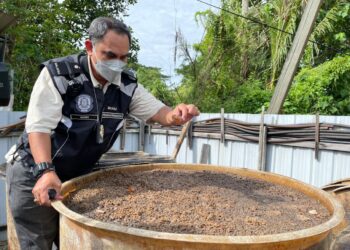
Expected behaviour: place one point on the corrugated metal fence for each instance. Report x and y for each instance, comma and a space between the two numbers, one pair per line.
295, 162
5, 144
299, 163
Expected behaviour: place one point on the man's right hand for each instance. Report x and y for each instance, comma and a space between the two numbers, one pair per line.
48, 180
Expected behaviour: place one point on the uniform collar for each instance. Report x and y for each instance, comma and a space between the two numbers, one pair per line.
95, 82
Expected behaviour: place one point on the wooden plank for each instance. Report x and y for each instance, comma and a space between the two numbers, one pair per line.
149, 133
294, 55
205, 153
6, 20
11, 134
262, 141
306, 144
317, 135
181, 139
222, 126
263, 153
167, 136
323, 146
122, 136
190, 136
141, 136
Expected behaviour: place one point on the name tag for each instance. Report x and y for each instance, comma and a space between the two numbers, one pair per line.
83, 117
110, 115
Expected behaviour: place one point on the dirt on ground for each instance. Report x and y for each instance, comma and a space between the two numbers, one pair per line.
197, 202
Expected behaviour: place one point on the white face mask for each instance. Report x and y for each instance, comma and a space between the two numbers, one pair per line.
110, 69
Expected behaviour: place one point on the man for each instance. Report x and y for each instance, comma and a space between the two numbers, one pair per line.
76, 110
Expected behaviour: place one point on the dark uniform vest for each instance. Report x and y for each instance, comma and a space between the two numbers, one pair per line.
75, 148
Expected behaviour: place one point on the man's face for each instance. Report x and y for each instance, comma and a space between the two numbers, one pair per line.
112, 46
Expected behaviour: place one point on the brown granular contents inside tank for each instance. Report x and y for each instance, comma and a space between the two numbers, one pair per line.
197, 202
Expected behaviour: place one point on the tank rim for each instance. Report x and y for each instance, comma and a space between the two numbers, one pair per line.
336, 219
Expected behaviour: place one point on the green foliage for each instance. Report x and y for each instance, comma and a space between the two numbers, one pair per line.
285, 16
238, 61
332, 33
212, 77
250, 98
324, 89
235, 66
155, 82
38, 35
47, 29
79, 15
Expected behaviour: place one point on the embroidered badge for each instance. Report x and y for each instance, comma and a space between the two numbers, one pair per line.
84, 103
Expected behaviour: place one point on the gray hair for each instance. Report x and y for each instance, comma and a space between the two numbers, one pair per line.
99, 27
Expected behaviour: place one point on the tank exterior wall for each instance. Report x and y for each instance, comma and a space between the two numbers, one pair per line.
74, 235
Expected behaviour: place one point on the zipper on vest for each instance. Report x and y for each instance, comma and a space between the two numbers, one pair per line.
110, 140
99, 128
64, 143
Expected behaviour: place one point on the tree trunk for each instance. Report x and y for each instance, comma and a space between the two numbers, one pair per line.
245, 6
244, 66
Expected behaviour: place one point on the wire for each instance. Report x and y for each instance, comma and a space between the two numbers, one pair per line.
245, 17
269, 26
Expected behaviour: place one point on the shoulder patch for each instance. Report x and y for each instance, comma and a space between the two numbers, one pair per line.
66, 69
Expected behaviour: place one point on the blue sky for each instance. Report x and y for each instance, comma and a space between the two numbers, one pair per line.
154, 24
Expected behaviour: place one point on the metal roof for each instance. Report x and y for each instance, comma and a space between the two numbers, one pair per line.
6, 20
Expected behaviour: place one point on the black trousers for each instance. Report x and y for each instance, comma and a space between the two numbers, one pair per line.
36, 226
